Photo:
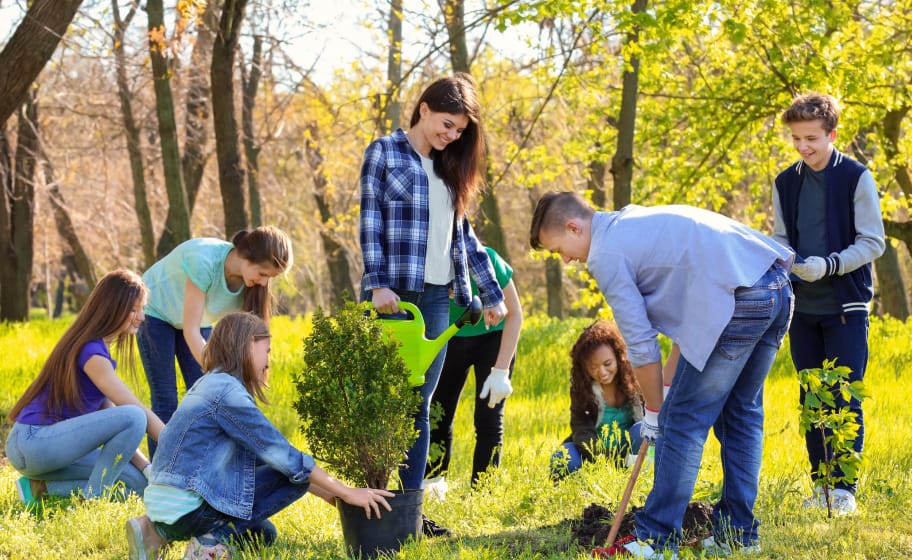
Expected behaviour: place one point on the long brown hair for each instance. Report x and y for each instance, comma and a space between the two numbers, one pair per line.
265, 246
228, 350
595, 335
459, 164
105, 311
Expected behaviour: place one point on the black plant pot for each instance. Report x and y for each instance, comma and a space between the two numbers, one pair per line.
368, 538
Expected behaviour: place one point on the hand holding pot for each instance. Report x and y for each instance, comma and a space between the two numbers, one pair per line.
369, 498
496, 387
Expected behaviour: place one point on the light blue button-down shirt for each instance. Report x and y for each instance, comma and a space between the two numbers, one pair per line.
674, 270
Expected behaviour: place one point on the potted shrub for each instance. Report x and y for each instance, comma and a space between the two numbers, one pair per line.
357, 406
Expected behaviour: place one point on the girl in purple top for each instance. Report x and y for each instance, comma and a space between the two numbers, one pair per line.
78, 426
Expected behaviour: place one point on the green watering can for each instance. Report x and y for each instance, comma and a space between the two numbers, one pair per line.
417, 351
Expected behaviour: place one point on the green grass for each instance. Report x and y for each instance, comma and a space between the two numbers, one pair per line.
518, 513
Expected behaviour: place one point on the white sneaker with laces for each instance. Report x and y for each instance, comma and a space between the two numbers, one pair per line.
719, 549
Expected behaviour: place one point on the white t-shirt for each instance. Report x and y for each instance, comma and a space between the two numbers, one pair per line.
438, 266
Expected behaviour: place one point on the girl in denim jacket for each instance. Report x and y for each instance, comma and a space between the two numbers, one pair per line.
222, 469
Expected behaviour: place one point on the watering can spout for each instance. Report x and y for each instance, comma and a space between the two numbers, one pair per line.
417, 351
471, 315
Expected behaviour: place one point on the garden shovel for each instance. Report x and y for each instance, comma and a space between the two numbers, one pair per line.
417, 351
622, 507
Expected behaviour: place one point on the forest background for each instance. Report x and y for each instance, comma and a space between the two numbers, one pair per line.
130, 127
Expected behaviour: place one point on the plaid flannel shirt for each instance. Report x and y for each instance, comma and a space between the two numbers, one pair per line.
394, 227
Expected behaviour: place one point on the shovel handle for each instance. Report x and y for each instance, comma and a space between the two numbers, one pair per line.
625, 499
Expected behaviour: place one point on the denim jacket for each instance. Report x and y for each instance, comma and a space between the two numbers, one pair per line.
213, 442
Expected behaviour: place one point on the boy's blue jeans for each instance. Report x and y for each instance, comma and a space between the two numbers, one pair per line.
159, 344
726, 395
814, 338
434, 304
89, 453
273, 493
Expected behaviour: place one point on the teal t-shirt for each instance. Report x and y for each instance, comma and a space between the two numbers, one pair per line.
202, 260
622, 418
503, 272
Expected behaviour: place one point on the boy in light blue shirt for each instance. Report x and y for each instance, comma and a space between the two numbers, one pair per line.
720, 290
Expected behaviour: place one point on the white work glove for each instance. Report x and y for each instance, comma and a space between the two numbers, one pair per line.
147, 471
665, 389
649, 429
815, 268
497, 385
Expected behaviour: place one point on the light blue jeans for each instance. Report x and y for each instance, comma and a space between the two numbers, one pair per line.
726, 395
434, 304
86, 454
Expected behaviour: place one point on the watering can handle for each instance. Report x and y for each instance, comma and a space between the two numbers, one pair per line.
410, 308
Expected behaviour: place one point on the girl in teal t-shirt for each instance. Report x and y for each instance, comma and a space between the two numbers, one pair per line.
605, 402
193, 286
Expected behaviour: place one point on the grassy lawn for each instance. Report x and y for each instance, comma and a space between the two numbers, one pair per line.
518, 512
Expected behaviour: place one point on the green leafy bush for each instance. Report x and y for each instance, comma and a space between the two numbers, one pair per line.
353, 397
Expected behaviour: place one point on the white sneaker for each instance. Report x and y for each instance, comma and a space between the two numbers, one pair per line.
842, 501
718, 549
436, 488
637, 549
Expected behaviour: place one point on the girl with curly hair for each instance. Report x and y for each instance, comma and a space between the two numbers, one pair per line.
605, 402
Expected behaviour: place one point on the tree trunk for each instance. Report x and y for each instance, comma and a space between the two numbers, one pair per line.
231, 175
31, 46
554, 280
595, 182
454, 17
488, 223
250, 85
622, 162
892, 300
335, 252
196, 121
82, 265
177, 223
393, 117
19, 199
140, 201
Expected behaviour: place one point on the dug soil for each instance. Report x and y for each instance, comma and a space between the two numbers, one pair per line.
592, 530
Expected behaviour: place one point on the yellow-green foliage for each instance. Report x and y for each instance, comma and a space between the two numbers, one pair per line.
518, 512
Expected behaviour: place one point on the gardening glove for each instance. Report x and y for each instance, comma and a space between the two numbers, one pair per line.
147, 472
497, 385
649, 429
815, 268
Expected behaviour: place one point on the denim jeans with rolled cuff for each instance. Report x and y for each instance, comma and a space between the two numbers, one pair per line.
727, 396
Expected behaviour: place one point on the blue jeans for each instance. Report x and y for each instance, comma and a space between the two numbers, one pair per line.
568, 459
434, 304
159, 344
87, 454
274, 492
726, 395
814, 338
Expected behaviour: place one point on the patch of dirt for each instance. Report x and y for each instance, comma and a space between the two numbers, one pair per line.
593, 528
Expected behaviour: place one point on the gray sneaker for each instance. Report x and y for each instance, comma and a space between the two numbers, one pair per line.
841, 500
